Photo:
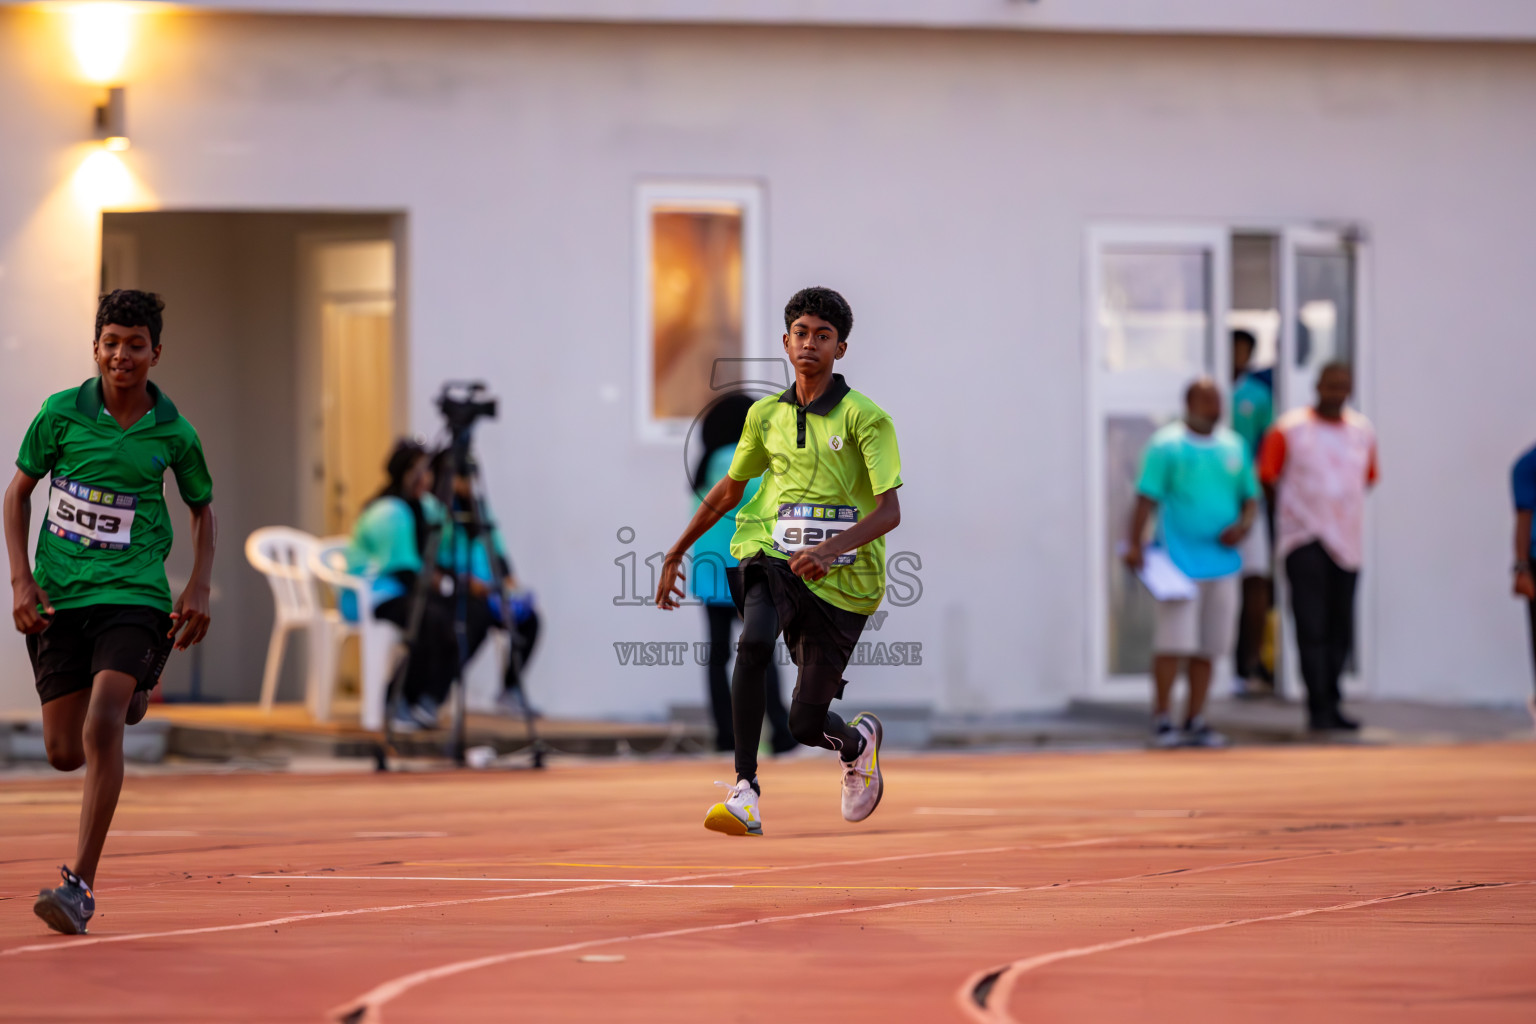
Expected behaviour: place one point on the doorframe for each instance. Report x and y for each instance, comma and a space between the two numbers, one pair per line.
1097, 683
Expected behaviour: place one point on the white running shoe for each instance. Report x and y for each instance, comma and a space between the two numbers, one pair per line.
862, 784
1199, 734
740, 815
1164, 735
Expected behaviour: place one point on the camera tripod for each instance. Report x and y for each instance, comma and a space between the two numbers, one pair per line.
466, 515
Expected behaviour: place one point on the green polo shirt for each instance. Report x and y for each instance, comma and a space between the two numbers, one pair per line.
107, 532
821, 467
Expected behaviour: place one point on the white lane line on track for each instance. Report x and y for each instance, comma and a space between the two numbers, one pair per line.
45, 947
1047, 812
433, 878
75, 943
1005, 978
368, 1008
629, 883
837, 888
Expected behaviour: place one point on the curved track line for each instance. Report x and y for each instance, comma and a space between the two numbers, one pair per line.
985, 995
368, 1008
46, 947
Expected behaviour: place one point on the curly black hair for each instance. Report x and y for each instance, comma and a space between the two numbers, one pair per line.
824, 303
131, 308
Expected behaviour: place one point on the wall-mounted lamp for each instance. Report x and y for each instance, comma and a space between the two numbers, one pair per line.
112, 119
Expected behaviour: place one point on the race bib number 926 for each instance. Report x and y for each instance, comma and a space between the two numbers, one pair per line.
90, 516
804, 526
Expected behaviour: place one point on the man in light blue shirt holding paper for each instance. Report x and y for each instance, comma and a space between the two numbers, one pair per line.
1199, 477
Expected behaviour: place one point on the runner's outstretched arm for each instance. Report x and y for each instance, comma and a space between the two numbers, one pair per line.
721, 498
190, 616
27, 595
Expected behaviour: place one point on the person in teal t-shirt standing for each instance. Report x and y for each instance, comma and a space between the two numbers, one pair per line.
720, 429
1253, 410
1199, 478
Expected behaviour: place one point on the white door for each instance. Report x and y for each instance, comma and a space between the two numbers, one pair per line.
1156, 316
1321, 322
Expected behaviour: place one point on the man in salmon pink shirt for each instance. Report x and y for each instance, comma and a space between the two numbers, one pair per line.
1321, 462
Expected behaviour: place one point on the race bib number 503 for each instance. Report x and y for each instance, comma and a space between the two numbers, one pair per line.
91, 517
804, 526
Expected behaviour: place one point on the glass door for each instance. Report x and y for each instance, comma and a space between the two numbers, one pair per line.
1156, 297
1320, 275
1318, 314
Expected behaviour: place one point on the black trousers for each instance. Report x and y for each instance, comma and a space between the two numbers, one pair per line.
811, 720
523, 635
1532, 605
1323, 606
434, 661
721, 619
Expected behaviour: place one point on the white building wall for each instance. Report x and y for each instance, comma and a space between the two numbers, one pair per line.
941, 180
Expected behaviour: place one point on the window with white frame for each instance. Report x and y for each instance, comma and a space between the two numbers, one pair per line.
699, 296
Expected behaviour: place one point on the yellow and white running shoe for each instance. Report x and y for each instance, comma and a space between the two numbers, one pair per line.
862, 784
740, 815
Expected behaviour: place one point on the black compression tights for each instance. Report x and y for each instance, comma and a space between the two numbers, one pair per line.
811, 724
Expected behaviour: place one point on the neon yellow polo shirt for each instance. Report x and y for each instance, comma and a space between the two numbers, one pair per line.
107, 532
821, 467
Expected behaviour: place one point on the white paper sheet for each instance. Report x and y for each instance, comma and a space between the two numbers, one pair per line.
1164, 580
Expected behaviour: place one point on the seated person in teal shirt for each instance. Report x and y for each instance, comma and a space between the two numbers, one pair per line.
496, 601
388, 541
1199, 478
720, 431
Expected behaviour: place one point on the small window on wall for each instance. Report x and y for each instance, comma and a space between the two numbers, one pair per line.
699, 297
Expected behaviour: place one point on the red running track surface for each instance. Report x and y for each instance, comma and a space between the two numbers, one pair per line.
1316, 884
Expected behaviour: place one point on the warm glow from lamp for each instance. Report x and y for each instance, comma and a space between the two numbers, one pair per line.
103, 181
99, 34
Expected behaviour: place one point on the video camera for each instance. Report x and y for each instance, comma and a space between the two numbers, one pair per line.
464, 402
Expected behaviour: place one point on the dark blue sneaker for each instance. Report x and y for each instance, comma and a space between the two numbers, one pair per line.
67, 908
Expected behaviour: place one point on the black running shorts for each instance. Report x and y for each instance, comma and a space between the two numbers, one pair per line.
819, 634
81, 642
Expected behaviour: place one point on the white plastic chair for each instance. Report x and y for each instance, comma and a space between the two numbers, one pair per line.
282, 555
377, 638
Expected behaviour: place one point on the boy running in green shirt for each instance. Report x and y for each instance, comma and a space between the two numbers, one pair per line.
97, 609
812, 552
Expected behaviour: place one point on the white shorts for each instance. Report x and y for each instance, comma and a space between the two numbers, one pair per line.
1204, 626
1255, 546
1255, 550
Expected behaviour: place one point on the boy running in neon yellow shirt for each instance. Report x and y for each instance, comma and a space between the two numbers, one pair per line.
812, 552
97, 609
